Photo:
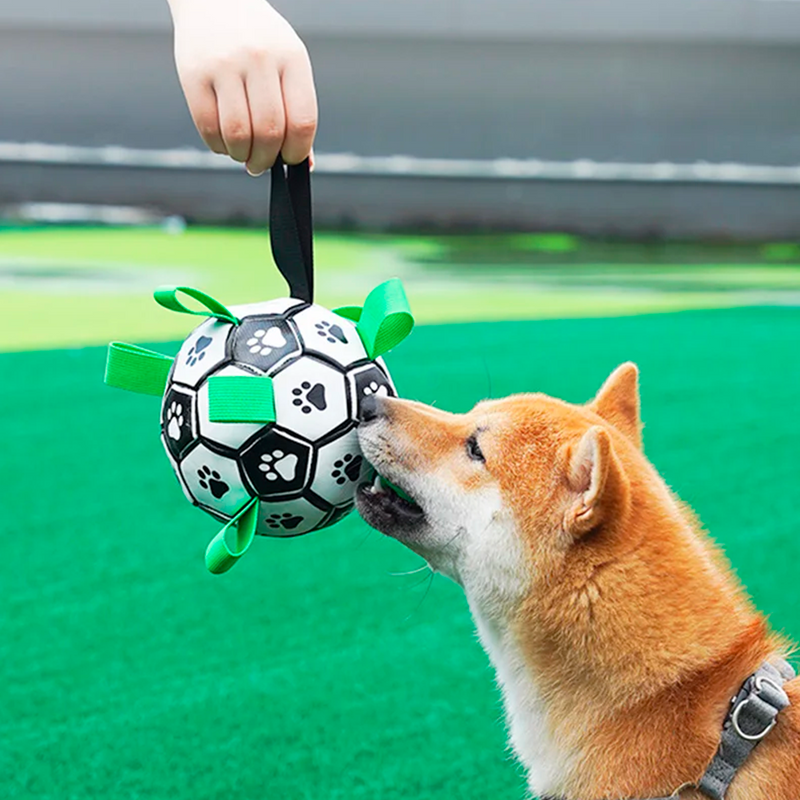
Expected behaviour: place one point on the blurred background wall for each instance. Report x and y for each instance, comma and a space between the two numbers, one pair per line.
574, 83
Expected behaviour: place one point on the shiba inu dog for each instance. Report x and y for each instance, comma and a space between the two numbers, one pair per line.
618, 633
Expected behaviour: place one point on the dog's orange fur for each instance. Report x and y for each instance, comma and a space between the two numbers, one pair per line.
635, 627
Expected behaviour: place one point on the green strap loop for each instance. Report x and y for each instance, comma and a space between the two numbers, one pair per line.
136, 369
384, 321
233, 541
241, 398
167, 296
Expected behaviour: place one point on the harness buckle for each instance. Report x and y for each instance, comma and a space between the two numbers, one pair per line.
759, 683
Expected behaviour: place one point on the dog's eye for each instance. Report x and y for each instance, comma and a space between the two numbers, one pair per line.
474, 450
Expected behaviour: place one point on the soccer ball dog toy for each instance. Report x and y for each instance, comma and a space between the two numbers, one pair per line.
261, 402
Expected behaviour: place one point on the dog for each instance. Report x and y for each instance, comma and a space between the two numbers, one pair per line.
617, 631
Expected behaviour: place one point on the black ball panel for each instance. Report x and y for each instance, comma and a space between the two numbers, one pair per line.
264, 342
276, 464
178, 420
368, 381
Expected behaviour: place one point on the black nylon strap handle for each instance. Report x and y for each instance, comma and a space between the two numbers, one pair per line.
291, 227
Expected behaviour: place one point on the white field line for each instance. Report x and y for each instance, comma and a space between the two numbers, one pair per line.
580, 170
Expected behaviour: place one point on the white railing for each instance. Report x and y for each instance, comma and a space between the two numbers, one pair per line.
580, 170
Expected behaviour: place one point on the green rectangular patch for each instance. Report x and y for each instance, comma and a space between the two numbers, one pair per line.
240, 398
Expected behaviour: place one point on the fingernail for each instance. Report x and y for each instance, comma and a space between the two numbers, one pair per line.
253, 174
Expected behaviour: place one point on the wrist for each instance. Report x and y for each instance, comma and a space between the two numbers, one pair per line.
179, 5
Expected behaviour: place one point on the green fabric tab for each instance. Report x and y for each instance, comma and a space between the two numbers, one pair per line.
240, 398
385, 319
353, 313
136, 369
167, 296
233, 541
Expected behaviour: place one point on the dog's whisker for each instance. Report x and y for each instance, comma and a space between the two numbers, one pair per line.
419, 583
410, 572
458, 533
364, 540
424, 596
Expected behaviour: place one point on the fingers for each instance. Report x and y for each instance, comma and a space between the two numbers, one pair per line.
254, 117
300, 106
267, 118
234, 116
202, 101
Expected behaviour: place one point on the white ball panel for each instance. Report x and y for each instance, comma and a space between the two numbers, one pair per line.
330, 335
339, 513
202, 352
288, 518
310, 398
214, 481
230, 434
340, 468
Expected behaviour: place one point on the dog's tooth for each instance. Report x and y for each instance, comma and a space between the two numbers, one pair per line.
378, 484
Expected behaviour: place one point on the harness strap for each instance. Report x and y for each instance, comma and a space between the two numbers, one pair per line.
752, 715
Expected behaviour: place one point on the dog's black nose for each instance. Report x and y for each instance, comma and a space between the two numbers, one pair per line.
370, 408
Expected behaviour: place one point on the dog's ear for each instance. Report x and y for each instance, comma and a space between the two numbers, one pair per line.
599, 489
618, 402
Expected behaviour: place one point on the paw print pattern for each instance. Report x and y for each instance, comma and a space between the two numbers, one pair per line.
371, 381
197, 351
175, 420
286, 521
278, 464
331, 333
265, 340
347, 468
306, 396
373, 388
212, 481
275, 463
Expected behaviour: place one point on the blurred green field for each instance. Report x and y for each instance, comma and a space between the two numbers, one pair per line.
314, 669
73, 286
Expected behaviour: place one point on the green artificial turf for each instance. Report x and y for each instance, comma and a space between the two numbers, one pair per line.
310, 670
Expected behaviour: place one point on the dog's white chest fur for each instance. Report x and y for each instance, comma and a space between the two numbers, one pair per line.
525, 711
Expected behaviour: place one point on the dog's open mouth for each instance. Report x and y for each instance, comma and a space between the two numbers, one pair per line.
387, 507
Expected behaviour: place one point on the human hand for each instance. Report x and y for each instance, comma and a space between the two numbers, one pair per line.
247, 80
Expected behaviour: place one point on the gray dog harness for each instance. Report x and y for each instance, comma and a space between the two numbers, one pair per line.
753, 713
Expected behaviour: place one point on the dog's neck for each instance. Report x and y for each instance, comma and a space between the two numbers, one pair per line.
577, 689
546, 764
